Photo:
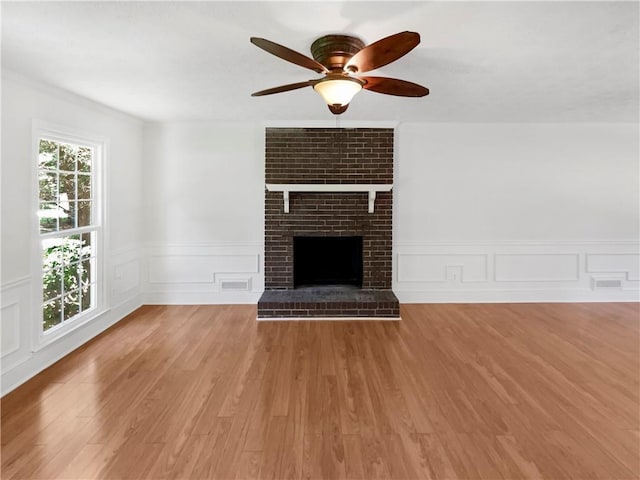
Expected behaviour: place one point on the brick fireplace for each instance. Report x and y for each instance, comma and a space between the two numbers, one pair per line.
345, 159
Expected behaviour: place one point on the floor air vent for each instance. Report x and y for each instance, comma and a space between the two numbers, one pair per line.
602, 283
235, 284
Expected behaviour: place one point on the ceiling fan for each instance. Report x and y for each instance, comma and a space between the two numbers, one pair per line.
340, 58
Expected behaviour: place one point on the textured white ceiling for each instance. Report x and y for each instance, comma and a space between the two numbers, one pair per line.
482, 61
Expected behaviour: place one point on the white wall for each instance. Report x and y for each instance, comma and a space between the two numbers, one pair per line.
203, 212
22, 102
482, 212
516, 212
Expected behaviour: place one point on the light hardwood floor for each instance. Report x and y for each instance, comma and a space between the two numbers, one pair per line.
453, 392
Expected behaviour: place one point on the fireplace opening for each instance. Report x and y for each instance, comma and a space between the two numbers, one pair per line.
327, 261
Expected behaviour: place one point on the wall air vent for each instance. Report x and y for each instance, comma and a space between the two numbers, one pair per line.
235, 284
599, 283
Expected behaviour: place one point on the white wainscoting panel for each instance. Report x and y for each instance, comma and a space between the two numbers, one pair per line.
203, 273
14, 331
627, 263
461, 272
198, 268
125, 275
537, 267
426, 268
10, 332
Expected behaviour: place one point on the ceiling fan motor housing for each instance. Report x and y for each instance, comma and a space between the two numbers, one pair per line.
334, 51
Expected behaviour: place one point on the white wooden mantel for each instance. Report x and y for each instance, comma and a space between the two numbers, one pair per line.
286, 188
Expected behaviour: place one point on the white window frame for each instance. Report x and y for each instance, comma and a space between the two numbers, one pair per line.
63, 134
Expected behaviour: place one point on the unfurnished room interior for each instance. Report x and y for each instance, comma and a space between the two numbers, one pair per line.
320, 240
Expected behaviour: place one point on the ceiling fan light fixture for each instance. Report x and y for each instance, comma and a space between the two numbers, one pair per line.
339, 58
338, 92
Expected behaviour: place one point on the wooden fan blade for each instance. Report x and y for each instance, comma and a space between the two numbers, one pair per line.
282, 88
393, 86
383, 52
288, 54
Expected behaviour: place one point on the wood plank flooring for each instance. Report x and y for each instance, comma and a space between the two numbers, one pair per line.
507, 391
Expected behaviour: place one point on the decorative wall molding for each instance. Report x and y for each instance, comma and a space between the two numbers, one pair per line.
125, 274
613, 263
194, 268
202, 246
15, 307
16, 283
526, 271
436, 267
529, 295
523, 243
191, 297
536, 267
192, 273
10, 317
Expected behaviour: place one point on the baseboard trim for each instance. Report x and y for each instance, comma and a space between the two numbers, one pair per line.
516, 296
201, 298
327, 319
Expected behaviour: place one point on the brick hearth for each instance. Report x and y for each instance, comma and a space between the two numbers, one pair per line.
329, 302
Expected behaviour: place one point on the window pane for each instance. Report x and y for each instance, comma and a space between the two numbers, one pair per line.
86, 296
84, 213
67, 186
84, 273
71, 303
68, 157
84, 159
52, 253
48, 155
84, 186
87, 249
67, 217
51, 314
71, 276
73, 241
48, 183
57, 252
51, 284
48, 215
72, 249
